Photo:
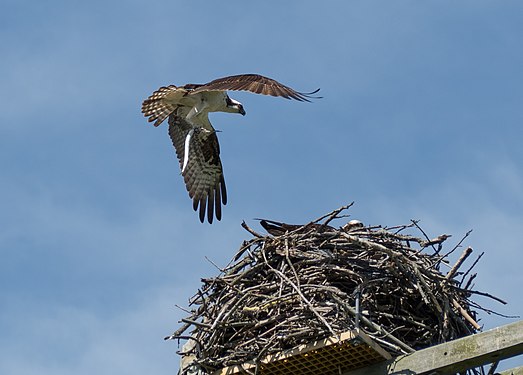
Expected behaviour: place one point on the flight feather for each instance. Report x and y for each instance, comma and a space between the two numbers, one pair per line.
202, 169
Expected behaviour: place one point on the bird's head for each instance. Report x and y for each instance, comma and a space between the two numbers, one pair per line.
234, 106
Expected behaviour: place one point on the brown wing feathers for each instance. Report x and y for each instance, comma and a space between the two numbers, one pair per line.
156, 107
203, 174
254, 83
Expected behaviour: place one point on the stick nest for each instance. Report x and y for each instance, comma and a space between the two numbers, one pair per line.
302, 283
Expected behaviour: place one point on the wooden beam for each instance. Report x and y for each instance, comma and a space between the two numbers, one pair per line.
512, 371
455, 356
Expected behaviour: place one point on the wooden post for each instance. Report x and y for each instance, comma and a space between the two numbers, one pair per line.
455, 356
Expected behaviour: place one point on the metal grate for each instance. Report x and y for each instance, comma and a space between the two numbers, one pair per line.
350, 350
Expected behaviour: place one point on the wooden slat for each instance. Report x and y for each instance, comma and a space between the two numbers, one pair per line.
349, 350
455, 356
512, 371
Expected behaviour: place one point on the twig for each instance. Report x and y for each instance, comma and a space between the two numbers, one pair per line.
471, 267
466, 314
298, 291
458, 264
442, 257
250, 230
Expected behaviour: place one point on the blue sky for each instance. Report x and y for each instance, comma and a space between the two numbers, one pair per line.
421, 119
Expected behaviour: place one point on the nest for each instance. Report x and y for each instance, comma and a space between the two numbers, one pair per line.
306, 282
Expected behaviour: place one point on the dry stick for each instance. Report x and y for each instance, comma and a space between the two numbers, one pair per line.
446, 318
250, 230
388, 344
405, 319
466, 314
184, 337
471, 267
486, 295
214, 264
421, 291
331, 215
368, 244
245, 247
458, 264
204, 303
183, 309
469, 283
427, 289
437, 241
225, 312
290, 263
453, 249
307, 302
263, 351
373, 325
271, 303
181, 330
472, 303
415, 222
178, 332
461, 323
239, 277
399, 228
195, 323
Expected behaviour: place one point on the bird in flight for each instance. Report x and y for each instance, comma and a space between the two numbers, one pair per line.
193, 136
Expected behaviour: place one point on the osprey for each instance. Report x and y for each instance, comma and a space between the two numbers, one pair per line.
193, 136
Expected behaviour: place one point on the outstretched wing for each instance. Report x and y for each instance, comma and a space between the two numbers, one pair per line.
162, 103
254, 83
198, 152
